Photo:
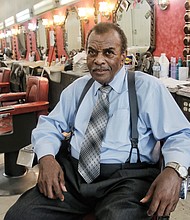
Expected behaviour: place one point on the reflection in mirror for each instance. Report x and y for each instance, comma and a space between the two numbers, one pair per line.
9, 42
22, 44
137, 21
8, 48
41, 37
73, 32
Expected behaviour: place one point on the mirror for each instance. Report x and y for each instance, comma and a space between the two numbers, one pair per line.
9, 48
138, 23
22, 44
73, 31
41, 39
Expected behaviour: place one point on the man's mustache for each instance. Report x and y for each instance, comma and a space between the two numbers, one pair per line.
100, 69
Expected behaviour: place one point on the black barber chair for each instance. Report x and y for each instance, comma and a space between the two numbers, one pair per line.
16, 124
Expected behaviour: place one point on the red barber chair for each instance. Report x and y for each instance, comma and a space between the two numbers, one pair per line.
4, 80
16, 124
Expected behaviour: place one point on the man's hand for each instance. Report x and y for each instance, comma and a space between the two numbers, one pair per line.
51, 178
163, 193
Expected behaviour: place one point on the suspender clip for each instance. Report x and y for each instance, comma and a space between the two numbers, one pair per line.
134, 142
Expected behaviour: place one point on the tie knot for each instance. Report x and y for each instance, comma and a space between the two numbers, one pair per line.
105, 89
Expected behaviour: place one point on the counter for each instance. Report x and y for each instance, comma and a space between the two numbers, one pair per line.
181, 93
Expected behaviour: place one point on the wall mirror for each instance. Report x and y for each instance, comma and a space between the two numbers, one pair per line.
138, 22
73, 31
8, 48
9, 42
22, 46
41, 39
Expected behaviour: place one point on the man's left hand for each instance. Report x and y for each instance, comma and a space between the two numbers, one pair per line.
163, 193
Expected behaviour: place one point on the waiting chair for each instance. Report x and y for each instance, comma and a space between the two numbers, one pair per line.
16, 124
4, 80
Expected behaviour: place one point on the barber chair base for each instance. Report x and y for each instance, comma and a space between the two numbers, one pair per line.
17, 185
12, 169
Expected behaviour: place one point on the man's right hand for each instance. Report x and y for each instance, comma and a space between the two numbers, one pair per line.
51, 178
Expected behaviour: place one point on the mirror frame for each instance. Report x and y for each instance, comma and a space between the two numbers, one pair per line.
152, 16
68, 10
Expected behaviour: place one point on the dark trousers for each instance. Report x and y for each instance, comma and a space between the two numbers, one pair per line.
114, 195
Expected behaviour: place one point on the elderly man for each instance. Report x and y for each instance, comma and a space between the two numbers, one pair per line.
99, 173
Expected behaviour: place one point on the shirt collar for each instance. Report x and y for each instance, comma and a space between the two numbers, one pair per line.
116, 83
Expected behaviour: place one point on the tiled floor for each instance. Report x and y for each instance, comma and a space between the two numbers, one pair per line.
182, 211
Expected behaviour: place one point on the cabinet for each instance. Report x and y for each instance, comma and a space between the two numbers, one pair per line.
183, 100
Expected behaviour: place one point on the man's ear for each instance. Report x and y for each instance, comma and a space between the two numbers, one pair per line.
123, 57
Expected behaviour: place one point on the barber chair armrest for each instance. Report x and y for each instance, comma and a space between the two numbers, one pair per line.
4, 84
40, 106
11, 96
6, 109
30, 107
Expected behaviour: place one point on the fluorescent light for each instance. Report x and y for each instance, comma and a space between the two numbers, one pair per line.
67, 2
9, 21
1, 25
23, 15
43, 6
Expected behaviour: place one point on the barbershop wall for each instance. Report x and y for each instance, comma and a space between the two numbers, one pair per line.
169, 32
169, 29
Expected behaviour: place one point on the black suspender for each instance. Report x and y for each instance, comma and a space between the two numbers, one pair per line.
133, 104
85, 90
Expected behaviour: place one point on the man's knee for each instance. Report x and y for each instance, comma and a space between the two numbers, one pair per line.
17, 212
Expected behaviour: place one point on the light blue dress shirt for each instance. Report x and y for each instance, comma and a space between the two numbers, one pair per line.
159, 118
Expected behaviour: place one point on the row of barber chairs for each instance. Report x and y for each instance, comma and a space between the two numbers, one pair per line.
19, 113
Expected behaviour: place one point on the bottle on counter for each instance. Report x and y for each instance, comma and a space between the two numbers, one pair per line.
46, 61
156, 69
164, 65
4, 56
63, 59
173, 68
179, 64
188, 64
57, 59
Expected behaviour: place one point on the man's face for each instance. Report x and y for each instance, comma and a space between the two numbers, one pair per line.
104, 57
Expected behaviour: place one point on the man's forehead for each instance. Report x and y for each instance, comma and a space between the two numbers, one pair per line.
91, 47
106, 40
111, 32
